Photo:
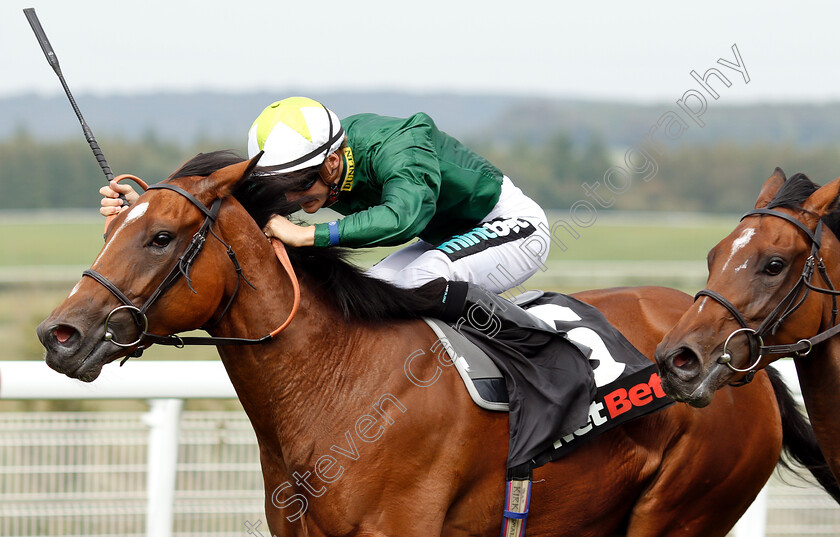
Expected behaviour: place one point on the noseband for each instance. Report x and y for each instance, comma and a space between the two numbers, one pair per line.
783, 310
182, 268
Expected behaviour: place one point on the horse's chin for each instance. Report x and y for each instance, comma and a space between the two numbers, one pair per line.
697, 392
87, 364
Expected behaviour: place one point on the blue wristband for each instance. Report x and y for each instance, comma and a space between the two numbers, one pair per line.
333, 229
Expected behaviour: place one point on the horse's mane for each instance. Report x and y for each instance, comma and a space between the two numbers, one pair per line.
204, 164
355, 294
262, 194
793, 193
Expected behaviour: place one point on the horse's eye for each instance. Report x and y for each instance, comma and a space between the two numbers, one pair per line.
162, 239
774, 266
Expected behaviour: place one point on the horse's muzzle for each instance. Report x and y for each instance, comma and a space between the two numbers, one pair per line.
683, 375
681, 361
69, 352
62, 343
62, 339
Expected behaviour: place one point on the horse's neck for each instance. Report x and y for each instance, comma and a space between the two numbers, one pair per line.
281, 382
819, 374
819, 379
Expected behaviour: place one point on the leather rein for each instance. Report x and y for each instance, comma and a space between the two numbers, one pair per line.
182, 269
783, 310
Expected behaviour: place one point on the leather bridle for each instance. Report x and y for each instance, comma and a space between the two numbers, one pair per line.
182, 269
783, 310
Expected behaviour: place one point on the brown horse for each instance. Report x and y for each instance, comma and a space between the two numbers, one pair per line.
348, 444
770, 294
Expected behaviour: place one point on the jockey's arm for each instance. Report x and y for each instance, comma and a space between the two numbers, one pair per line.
281, 228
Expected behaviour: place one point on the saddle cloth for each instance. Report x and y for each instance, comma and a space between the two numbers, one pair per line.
627, 384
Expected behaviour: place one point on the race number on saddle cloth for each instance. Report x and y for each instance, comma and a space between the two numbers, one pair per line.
398, 180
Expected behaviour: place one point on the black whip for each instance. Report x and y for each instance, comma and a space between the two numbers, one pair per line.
53, 60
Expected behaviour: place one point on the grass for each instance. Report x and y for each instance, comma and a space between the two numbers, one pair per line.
53, 239
639, 238
49, 241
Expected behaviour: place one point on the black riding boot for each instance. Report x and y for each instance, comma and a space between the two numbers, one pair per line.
462, 303
466, 303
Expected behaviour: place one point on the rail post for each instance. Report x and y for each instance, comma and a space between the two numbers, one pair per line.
164, 421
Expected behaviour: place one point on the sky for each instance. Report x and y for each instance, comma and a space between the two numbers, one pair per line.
641, 51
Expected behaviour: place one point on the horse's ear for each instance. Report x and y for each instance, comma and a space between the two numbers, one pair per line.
770, 187
824, 200
223, 182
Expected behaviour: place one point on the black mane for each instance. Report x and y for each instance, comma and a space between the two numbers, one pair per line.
263, 194
793, 193
355, 294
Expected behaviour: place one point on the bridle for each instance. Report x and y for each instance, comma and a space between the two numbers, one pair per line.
182, 269
783, 310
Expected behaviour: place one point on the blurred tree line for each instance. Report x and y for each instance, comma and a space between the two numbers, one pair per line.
706, 177
721, 177
65, 174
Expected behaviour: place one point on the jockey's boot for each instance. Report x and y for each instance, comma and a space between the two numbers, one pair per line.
466, 303
485, 311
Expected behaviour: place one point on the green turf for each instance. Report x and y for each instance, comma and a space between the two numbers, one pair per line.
52, 240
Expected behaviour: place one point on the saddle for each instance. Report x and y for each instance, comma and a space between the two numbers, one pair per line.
483, 380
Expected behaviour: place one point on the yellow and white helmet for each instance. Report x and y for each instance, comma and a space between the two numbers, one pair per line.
295, 133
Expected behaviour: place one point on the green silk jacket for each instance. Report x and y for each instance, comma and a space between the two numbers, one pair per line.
404, 178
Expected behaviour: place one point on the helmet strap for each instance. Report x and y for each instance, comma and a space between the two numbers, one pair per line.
333, 195
332, 183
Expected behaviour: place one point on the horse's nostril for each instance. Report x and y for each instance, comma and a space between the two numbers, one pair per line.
684, 359
680, 360
63, 333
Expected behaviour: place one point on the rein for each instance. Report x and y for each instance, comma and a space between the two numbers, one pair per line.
182, 268
783, 310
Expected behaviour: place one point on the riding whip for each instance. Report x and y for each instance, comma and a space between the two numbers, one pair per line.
53, 61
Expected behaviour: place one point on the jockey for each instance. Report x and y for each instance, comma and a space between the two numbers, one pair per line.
397, 180
394, 180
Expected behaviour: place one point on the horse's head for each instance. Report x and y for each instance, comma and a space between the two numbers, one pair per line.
161, 271
757, 293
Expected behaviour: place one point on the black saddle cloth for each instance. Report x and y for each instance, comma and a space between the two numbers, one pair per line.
559, 396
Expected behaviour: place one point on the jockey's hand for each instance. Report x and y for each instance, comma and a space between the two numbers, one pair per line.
281, 228
111, 204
